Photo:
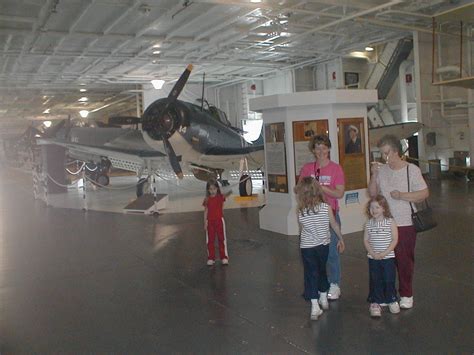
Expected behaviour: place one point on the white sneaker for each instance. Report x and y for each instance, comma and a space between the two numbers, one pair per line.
406, 302
323, 300
210, 262
334, 292
375, 310
225, 261
315, 310
394, 307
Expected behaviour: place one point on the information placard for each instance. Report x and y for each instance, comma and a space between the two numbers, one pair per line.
275, 157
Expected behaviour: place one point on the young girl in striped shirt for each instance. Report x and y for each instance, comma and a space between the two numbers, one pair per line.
380, 239
315, 216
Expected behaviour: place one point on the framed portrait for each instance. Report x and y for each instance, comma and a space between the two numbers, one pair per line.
353, 138
352, 158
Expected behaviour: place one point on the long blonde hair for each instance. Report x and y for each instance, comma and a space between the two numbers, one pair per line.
309, 195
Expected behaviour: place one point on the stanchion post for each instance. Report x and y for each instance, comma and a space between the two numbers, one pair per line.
155, 203
45, 187
84, 197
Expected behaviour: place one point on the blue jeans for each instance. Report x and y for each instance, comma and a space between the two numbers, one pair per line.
315, 277
334, 263
382, 281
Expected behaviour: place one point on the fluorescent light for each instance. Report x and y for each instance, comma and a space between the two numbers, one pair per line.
256, 1
82, 90
47, 124
157, 84
156, 52
84, 113
47, 110
83, 99
357, 54
157, 45
369, 49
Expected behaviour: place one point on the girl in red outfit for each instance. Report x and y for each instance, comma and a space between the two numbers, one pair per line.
214, 222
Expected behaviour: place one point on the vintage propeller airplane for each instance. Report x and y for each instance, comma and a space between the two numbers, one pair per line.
186, 135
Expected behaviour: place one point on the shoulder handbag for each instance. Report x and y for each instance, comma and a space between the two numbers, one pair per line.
423, 218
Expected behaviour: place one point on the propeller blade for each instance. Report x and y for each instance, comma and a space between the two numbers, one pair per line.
173, 158
178, 87
124, 120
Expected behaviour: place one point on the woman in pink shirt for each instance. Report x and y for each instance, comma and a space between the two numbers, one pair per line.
331, 179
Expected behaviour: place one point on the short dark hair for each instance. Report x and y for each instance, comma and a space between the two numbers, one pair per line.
319, 139
213, 182
392, 141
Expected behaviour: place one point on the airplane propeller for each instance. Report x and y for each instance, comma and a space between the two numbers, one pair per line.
162, 118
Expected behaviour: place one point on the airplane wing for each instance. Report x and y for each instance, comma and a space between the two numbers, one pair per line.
90, 153
400, 130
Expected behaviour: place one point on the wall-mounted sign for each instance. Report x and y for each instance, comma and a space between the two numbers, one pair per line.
303, 131
275, 157
351, 197
352, 152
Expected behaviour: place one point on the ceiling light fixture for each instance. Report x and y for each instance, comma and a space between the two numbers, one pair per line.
156, 52
369, 49
255, 1
158, 45
46, 111
82, 90
357, 54
47, 124
157, 84
83, 99
84, 113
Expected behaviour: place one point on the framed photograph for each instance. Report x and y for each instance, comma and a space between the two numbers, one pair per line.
351, 80
353, 138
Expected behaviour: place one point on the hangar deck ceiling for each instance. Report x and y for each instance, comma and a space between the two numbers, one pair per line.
52, 48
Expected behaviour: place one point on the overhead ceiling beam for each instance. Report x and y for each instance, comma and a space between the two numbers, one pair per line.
341, 20
140, 33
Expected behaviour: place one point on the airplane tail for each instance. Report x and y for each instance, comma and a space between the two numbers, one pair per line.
259, 140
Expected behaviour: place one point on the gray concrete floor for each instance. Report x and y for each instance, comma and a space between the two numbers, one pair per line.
97, 282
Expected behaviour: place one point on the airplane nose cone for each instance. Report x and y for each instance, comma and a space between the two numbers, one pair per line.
166, 123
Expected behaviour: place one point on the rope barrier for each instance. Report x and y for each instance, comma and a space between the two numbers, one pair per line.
425, 161
78, 171
59, 184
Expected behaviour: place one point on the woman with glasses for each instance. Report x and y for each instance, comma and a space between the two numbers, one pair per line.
331, 179
391, 181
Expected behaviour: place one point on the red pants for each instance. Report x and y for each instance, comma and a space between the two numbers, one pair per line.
405, 259
216, 226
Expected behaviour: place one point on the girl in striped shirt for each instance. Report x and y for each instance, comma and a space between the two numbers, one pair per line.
380, 239
315, 216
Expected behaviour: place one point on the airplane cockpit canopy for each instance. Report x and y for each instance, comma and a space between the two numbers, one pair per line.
219, 115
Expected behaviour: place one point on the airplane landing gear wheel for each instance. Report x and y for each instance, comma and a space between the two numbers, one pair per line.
245, 185
103, 180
